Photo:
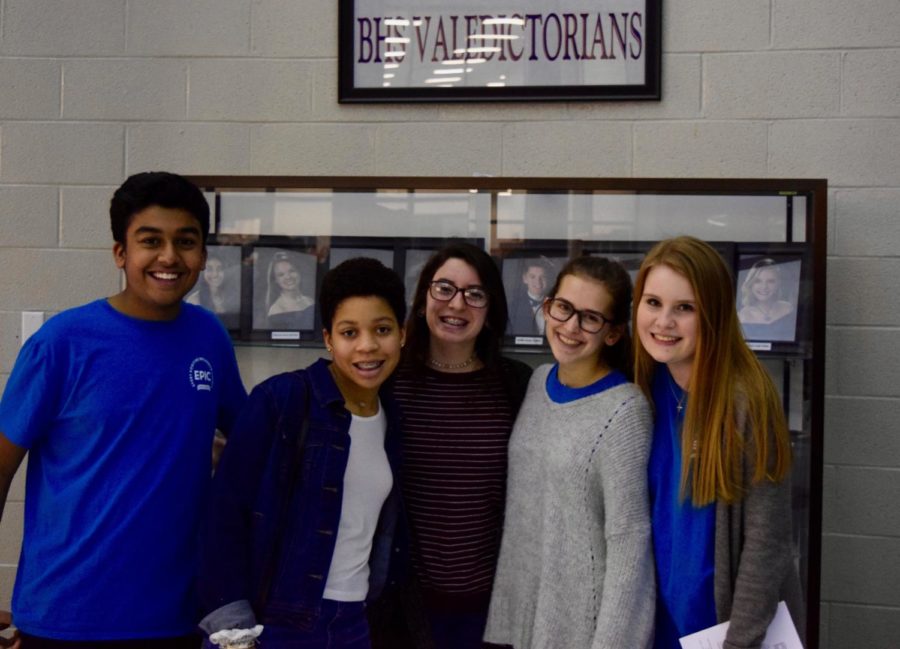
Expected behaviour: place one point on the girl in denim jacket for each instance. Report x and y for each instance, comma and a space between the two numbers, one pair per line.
306, 496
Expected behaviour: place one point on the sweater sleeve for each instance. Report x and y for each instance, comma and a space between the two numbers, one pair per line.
766, 559
627, 602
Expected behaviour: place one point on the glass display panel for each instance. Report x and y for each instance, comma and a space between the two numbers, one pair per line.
770, 232
374, 213
640, 217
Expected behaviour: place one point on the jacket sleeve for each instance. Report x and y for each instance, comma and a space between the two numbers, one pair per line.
226, 540
628, 599
766, 557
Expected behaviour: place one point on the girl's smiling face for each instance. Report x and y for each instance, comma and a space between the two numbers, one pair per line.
667, 321
455, 322
214, 274
765, 285
365, 342
578, 352
286, 276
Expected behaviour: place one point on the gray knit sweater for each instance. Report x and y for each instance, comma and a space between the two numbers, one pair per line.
576, 568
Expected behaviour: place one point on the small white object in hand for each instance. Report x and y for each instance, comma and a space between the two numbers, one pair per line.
236, 638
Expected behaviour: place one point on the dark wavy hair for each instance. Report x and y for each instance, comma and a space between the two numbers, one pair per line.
161, 188
617, 282
487, 344
361, 277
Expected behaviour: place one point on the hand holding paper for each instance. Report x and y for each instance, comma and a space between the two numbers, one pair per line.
782, 634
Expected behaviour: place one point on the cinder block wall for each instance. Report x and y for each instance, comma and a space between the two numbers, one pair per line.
95, 90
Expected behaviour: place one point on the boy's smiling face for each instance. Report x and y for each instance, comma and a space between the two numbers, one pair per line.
162, 259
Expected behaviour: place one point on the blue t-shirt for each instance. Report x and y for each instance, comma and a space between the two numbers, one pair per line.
118, 415
683, 535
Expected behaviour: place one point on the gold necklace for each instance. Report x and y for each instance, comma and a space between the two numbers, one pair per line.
438, 365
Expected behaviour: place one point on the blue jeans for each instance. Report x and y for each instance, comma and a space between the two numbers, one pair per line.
341, 625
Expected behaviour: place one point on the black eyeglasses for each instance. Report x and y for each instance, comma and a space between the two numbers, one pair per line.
589, 321
444, 291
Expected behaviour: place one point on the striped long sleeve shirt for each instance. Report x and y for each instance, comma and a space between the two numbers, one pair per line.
456, 430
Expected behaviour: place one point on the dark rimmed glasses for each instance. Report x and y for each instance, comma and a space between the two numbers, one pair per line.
444, 291
590, 321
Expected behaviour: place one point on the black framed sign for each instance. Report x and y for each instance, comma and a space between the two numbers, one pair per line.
490, 50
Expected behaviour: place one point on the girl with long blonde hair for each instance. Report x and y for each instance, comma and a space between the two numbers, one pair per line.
719, 464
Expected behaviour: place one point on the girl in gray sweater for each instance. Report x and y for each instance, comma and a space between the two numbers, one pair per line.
575, 565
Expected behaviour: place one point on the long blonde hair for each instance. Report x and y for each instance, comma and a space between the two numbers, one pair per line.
727, 381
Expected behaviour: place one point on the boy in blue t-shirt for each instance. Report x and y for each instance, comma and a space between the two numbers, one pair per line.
116, 403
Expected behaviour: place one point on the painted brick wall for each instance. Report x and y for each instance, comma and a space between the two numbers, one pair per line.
95, 90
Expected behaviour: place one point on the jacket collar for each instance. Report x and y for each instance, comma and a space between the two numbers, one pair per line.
324, 390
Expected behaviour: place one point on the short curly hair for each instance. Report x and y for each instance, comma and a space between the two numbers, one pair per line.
361, 277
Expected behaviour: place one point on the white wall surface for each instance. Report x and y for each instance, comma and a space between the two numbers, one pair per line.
95, 90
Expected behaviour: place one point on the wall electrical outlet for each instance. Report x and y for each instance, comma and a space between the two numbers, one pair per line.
31, 322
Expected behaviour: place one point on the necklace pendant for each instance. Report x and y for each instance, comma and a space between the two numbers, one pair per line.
679, 402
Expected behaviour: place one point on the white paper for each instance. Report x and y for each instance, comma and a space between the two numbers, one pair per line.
236, 637
782, 634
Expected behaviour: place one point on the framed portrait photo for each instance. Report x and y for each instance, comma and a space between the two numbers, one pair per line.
768, 295
284, 292
219, 286
527, 277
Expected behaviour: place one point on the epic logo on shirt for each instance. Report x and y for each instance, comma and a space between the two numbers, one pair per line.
201, 375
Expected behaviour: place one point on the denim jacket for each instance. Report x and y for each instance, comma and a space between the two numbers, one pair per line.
269, 537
